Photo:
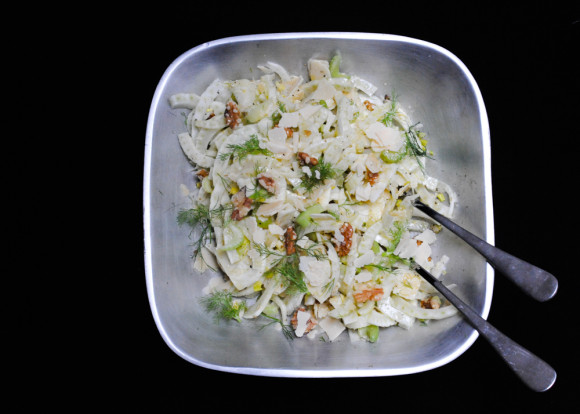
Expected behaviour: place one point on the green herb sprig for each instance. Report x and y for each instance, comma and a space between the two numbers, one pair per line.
288, 266
286, 329
414, 146
224, 306
313, 180
391, 113
241, 151
388, 257
290, 271
204, 219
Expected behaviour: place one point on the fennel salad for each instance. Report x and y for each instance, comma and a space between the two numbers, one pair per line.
303, 203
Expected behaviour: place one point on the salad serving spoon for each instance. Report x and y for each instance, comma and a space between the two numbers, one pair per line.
535, 282
533, 371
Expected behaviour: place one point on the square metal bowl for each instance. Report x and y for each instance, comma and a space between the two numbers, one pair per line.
435, 88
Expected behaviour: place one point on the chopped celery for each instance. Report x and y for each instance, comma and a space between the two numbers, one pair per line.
391, 157
373, 333
243, 248
236, 238
264, 224
260, 195
334, 67
304, 219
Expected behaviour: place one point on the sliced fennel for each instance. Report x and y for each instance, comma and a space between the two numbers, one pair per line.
305, 202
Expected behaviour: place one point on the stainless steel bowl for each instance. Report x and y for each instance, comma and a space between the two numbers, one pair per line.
435, 88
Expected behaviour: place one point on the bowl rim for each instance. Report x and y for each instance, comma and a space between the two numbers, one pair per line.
316, 373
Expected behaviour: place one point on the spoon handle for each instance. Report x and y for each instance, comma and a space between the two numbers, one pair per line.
535, 282
534, 372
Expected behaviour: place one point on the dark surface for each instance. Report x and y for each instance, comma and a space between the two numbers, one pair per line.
522, 60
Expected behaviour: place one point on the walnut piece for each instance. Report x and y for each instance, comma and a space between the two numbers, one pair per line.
306, 159
432, 302
290, 240
232, 115
369, 105
368, 294
343, 246
267, 182
202, 173
372, 177
242, 204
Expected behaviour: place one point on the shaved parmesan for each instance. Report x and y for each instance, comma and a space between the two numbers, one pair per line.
384, 138
318, 69
289, 120
317, 272
302, 322
333, 327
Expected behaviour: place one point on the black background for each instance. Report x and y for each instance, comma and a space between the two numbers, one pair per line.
525, 61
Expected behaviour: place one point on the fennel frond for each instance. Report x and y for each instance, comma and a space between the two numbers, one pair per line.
241, 151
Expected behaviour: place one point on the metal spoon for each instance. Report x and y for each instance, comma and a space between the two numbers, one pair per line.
534, 281
534, 372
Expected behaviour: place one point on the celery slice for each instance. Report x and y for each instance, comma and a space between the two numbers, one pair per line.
373, 333
304, 219
391, 157
236, 238
334, 67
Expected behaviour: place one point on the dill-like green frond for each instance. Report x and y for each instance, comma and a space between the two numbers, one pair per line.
289, 270
264, 251
204, 219
193, 216
329, 286
241, 151
414, 146
381, 266
288, 265
313, 251
391, 113
258, 169
226, 182
286, 329
319, 172
223, 305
